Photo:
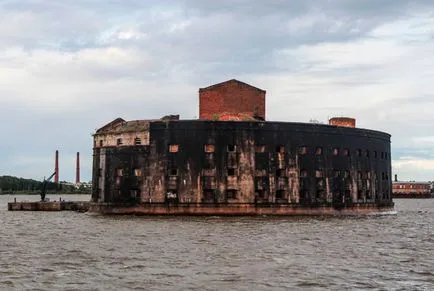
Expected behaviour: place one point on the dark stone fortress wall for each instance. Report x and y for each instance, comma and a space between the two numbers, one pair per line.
261, 163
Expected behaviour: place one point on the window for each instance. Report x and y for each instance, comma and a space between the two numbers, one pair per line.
208, 194
260, 193
303, 173
318, 173
231, 172
320, 194
360, 195
99, 172
336, 151
280, 149
260, 173
375, 154
367, 153
302, 150
279, 173
318, 151
385, 156
209, 157
173, 148
137, 141
119, 172
101, 143
231, 194
259, 148
382, 155
138, 172
231, 148
347, 174
209, 148
209, 172
304, 194
173, 172
346, 152
119, 141
280, 194
134, 193
336, 173
359, 152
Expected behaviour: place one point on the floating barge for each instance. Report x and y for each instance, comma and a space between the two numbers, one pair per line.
80, 206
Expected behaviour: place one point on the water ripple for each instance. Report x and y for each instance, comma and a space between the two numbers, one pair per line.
73, 251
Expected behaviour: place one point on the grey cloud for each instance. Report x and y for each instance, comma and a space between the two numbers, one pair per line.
173, 48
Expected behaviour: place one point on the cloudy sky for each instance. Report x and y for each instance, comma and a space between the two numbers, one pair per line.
68, 67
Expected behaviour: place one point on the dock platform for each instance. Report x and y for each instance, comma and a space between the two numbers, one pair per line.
80, 206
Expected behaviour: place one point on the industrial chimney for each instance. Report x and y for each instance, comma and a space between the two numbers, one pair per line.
77, 170
56, 168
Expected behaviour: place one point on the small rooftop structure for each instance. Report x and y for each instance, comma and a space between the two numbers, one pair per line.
231, 97
343, 121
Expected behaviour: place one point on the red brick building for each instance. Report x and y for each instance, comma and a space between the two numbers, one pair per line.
411, 189
233, 99
343, 121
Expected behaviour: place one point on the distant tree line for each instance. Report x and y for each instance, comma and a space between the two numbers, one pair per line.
15, 185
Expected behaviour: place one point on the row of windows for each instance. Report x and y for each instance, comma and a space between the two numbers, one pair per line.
319, 195
303, 150
279, 173
412, 187
119, 141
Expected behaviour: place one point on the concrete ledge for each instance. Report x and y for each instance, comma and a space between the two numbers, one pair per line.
240, 209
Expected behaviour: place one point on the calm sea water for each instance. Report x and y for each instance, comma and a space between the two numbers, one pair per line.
77, 251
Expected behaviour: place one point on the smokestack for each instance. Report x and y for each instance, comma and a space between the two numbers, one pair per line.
56, 168
77, 169
396, 178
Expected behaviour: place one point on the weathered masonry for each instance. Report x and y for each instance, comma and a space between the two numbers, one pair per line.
232, 162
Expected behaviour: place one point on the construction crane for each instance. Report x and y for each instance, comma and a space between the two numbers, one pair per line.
44, 186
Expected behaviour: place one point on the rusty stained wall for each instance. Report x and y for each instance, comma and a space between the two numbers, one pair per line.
254, 159
109, 139
231, 97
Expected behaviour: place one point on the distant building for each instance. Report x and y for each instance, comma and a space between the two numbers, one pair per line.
411, 189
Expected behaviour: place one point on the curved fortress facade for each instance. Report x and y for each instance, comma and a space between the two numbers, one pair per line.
233, 162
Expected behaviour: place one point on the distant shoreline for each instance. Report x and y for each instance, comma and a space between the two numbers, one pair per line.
38, 194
